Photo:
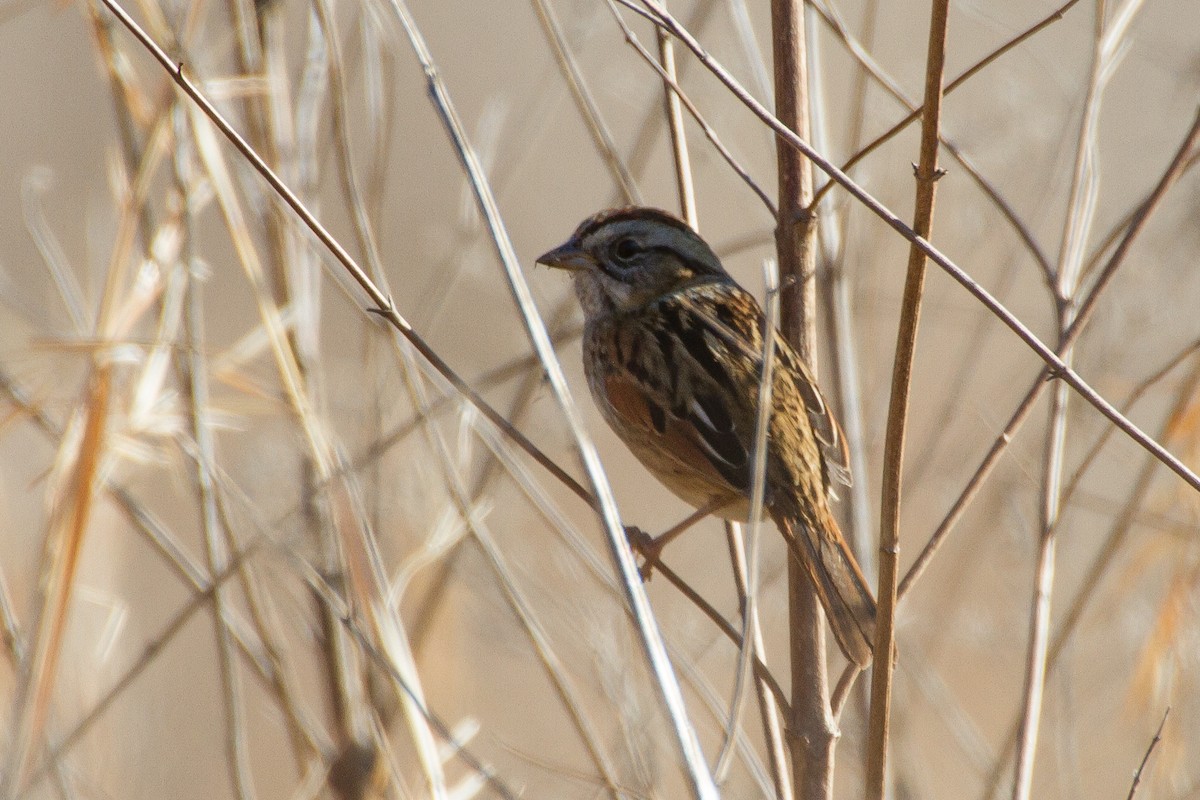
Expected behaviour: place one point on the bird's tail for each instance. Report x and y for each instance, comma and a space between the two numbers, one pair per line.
839, 582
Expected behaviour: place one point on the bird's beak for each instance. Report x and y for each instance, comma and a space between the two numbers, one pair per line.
566, 256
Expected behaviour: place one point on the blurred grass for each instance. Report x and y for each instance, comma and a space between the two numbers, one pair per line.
134, 244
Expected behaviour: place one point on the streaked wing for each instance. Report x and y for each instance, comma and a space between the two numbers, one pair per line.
829, 435
742, 332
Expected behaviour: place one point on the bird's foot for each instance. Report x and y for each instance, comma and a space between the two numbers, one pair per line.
647, 546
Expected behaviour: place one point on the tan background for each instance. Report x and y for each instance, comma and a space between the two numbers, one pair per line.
963, 633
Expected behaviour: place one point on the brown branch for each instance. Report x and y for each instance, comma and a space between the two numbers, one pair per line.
927, 175
1137, 775
812, 733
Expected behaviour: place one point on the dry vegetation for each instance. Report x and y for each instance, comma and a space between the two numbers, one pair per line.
261, 543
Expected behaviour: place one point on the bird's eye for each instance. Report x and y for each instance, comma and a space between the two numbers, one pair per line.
626, 249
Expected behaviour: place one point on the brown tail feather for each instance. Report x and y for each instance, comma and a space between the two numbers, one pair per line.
839, 583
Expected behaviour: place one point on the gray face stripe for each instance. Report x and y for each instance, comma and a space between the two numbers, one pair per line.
651, 235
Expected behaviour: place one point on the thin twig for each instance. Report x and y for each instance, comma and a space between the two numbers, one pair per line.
1137, 775
758, 478
841, 692
927, 175
772, 729
585, 103
709, 132
1085, 464
685, 188
195, 379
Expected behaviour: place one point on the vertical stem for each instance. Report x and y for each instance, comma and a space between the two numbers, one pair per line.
1039, 615
834, 289
772, 730
1081, 208
906, 339
794, 230
812, 734
679, 146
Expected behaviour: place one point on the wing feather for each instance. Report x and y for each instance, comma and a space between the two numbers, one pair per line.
734, 333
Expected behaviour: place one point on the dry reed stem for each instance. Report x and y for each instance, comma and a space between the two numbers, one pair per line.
523, 610
709, 132
684, 186
768, 713
585, 103
647, 627
215, 534
748, 597
1082, 317
1118, 533
1081, 207
927, 174
649, 129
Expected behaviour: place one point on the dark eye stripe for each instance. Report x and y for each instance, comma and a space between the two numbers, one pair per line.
623, 270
